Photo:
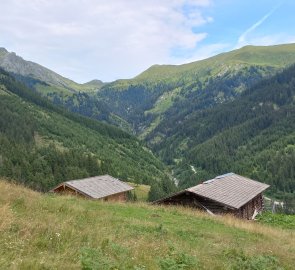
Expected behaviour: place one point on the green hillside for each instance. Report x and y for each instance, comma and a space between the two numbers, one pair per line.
76, 97
189, 116
278, 55
165, 91
253, 135
42, 145
56, 232
139, 105
225, 113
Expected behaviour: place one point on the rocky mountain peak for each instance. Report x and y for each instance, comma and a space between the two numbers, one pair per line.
3, 51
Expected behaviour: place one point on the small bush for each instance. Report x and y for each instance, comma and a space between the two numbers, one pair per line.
178, 261
278, 220
110, 256
94, 259
237, 260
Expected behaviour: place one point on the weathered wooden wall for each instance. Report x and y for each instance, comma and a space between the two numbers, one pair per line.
195, 201
66, 190
120, 197
247, 210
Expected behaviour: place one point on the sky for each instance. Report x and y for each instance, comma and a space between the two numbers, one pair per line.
118, 39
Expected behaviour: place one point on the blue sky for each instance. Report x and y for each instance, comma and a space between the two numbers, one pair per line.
265, 20
112, 39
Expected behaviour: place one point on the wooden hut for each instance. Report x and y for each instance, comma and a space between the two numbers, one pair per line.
103, 187
225, 194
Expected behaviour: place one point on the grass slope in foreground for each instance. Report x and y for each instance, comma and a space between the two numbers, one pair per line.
54, 232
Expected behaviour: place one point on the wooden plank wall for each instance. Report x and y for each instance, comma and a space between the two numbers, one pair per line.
120, 197
191, 200
248, 209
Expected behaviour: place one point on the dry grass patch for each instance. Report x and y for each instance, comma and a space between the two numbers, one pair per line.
6, 217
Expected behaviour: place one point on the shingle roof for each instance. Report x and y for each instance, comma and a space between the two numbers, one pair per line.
229, 189
99, 186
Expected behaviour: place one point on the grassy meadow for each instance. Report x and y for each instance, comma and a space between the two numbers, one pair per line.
141, 191
43, 231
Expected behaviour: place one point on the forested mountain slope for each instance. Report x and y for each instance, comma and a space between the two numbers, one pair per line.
42, 145
62, 91
253, 135
161, 93
164, 93
225, 113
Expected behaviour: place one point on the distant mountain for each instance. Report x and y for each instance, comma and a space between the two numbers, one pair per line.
230, 112
61, 91
96, 84
42, 145
44, 80
272, 56
189, 116
162, 94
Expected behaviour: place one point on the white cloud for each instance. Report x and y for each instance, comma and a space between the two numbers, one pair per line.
204, 52
86, 39
268, 40
243, 39
67, 29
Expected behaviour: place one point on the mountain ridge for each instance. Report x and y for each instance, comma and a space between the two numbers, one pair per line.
15, 64
234, 55
145, 100
172, 109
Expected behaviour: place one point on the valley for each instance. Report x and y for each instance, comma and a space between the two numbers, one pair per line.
147, 135
43, 145
230, 112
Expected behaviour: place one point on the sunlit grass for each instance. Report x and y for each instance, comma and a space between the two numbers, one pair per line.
141, 191
59, 232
